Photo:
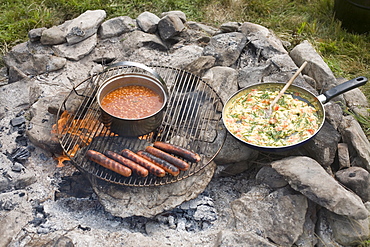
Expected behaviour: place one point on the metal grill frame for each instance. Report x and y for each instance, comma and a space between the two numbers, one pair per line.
198, 128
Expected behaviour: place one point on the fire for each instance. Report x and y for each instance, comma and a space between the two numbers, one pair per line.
65, 157
84, 130
61, 159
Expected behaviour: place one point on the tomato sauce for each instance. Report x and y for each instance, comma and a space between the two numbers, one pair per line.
132, 102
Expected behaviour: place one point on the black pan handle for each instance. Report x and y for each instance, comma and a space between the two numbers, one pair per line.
342, 88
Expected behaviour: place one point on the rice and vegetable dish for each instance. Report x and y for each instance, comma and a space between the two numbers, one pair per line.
291, 121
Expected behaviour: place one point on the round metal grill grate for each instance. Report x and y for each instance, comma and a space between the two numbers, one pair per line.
192, 120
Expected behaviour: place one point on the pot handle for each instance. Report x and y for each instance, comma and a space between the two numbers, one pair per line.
342, 88
141, 66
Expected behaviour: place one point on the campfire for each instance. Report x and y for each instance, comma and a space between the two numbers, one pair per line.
210, 202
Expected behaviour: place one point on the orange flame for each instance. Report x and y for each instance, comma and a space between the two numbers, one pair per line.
83, 130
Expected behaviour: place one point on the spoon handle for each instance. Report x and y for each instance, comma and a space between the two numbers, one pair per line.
288, 84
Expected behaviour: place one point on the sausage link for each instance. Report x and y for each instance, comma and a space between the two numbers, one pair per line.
153, 168
108, 163
177, 150
138, 169
182, 165
168, 167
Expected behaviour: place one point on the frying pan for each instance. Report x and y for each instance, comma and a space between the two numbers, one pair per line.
298, 93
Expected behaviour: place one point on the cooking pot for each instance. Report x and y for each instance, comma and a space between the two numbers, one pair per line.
133, 126
297, 93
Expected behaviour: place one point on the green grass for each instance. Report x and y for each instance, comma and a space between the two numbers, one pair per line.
19, 16
347, 54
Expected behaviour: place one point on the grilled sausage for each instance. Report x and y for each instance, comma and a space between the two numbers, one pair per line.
168, 167
108, 163
182, 165
153, 168
138, 169
177, 150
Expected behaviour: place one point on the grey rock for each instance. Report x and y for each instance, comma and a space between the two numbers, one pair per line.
310, 81
18, 179
3, 76
148, 22
308, 177
170, 26
41, 134
234, 168
14, 220
183, 56
316, 67
357, 179
63, 241
48, 63
323, 147
357, 141
200, 65
254, 74
266, 216
227, 238
324, 231
284, 63
203, 40
286, 68
84, 26
201, 27
116, 26
343, 156
138, 39
226, 48
263, 39
230, 27
35, 34
17, 167
15, 96
367, 205
333, 114
18, 55
223, 81
108, 50
235, 151
346, 231
357, 102
308, 237
15, 74
270, 177
178, 13
18, 121
76, 51
53, 36
30, 62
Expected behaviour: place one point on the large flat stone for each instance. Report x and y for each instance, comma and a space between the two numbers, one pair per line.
309, 177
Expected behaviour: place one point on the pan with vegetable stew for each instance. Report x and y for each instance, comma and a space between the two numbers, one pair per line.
296, 118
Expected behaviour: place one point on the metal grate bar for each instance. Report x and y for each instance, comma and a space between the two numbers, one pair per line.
192, 115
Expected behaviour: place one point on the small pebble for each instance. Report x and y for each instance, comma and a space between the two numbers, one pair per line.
18, 121
17, 167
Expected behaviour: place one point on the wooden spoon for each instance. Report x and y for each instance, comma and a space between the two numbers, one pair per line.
269, 112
